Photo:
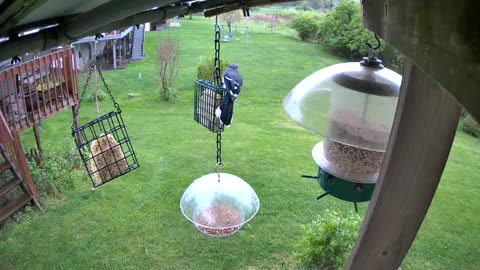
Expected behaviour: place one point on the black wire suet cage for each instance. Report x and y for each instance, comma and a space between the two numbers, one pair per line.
208, 97
104, 144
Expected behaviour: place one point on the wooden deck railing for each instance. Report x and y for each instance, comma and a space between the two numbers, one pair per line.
35, 90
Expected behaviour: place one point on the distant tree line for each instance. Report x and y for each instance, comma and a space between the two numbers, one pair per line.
342, 31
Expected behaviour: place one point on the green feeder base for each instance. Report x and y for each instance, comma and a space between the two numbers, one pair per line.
343, 189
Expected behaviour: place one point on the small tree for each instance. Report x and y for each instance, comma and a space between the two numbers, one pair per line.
306, 24
231, 17
168, 54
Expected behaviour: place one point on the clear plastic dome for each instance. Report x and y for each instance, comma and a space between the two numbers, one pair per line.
347, 103
219, 208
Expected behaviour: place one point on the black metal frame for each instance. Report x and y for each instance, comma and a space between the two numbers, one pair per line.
104, 144
208, 97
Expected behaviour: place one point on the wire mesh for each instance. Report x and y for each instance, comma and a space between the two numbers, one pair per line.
208, 97
105, 148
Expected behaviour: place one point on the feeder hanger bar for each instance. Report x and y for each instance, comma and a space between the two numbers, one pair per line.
216, 170
219, 148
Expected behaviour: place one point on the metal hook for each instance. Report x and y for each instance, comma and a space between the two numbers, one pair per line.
371, 60
378, 43
216, 169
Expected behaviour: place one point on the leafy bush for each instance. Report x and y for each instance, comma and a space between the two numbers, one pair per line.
471, 126
306, 24
327, 241
53, 169
206, 66
343, 31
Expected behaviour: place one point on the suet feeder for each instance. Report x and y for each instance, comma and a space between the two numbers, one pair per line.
352, 105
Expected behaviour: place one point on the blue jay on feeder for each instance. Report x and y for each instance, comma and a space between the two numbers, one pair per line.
233, 84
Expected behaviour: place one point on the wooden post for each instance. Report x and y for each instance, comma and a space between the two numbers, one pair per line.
125, 45
37, 136
422, 135
69, 71
114, 49
120, 49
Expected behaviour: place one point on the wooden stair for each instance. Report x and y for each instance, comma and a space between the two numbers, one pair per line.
4, 166
14, 206
9, 185
6, 188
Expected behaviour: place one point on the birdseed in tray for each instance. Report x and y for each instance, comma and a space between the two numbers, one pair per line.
352, 159
219, 220
347, 126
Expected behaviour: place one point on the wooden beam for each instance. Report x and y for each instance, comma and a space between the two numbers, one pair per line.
16, 12
442, 37
423, 131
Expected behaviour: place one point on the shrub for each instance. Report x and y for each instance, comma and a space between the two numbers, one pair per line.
52, 170
100, 95
471, 126
306, 24
231, 17
327, 241
206, 66
304, 6
343, 31
168, 56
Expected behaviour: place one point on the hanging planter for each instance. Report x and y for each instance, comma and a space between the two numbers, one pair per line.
103, 143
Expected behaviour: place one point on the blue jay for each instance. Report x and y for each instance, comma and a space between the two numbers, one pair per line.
233, 84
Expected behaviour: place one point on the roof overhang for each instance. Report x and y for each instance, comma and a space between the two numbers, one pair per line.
65, 21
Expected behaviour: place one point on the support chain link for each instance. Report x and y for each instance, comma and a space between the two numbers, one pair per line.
75, 116
216, 72
108, 90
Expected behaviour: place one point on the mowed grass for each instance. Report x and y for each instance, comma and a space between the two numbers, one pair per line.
135, 222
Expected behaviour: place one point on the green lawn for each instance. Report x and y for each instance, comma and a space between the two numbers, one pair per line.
135, 222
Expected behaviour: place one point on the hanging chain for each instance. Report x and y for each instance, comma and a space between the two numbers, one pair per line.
216, 72
84, 91
117, 106
218, 81
75, 116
